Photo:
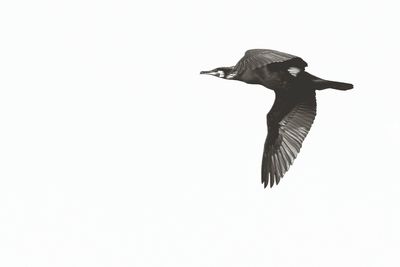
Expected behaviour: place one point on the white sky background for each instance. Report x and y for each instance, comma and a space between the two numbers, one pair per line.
114, 151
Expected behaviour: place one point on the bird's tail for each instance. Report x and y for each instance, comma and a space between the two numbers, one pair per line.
324, 84
320, 84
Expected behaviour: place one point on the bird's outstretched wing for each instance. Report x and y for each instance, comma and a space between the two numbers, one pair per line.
289, 122
275, 60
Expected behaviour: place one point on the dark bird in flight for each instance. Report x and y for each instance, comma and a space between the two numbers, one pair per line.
294, 109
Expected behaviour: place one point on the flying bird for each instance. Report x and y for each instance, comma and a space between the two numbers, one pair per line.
294, 109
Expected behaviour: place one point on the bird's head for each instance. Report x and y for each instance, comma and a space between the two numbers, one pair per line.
222, 72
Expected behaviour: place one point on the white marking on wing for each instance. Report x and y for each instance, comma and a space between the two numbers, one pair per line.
294, 71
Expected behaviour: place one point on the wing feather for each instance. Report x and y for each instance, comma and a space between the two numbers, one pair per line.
289, 122
258, 58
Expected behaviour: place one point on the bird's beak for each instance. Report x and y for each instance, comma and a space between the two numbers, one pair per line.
209, 72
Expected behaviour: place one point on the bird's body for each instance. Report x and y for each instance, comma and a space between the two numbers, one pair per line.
274, 80
294, 109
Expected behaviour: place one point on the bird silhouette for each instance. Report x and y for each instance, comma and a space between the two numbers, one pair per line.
294, 109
